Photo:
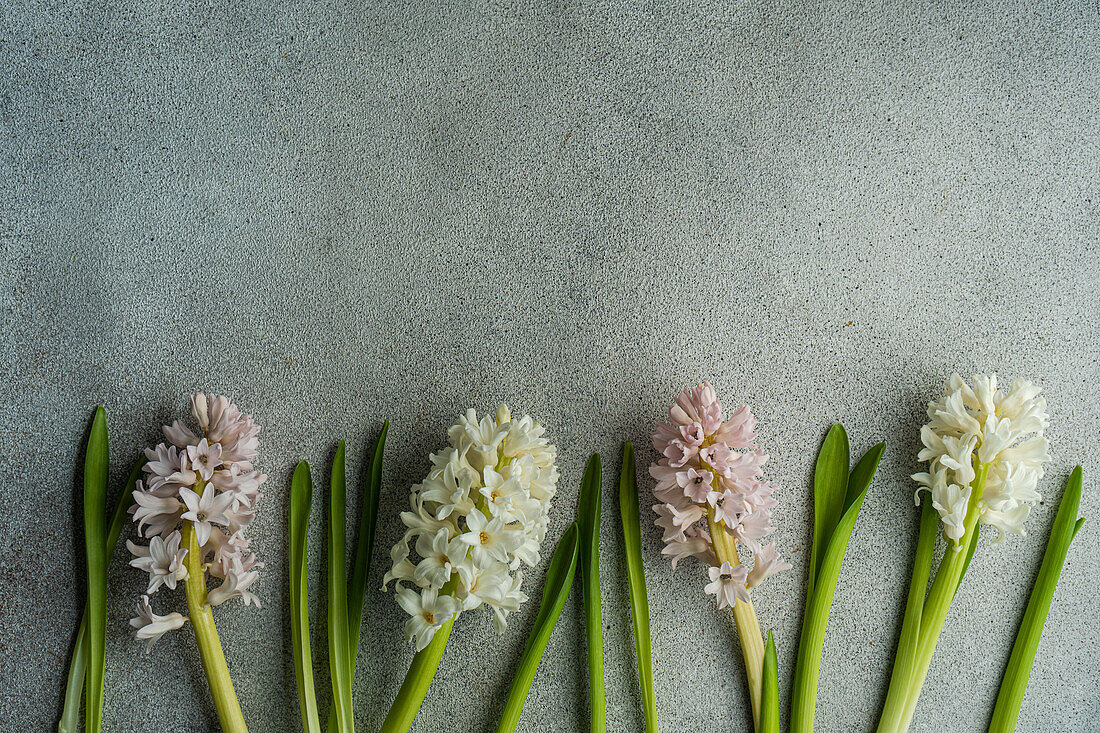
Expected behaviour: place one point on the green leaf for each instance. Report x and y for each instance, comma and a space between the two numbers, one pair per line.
769, 699
635, 576
906, 655
368, 516
301, 498
338, 652
559, 579
1006, 711
78, 665
589, 524
816, 619
95, 548
830, 489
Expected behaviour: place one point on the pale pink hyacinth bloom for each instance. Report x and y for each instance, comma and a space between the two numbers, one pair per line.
710, 478
716, 506
205, 478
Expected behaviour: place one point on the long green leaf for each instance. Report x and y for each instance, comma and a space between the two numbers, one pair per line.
1006, 711
338, 652
914, 607
635, 576
588, 520
769, 696
830, 486
301, 498
559, 579
368, 517
78, 665
95, 549
357, 586
816, 619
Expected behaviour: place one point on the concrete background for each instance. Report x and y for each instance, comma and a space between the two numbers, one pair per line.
338, 213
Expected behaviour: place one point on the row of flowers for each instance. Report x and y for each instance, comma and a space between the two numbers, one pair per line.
477, 522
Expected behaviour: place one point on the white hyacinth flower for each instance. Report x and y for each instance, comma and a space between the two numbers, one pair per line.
985, 447
149, 627
479, 516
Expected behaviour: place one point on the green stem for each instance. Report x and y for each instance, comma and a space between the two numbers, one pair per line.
939, 600
744, 615
910, 627
206, 635
415, 687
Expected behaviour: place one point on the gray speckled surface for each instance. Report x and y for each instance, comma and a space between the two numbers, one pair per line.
339, 213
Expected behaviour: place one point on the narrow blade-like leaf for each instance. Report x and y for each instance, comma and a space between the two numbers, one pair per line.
339, 664
78, 665
635, 576
830, 488
769, 696
301, 498
589, 523
1014, 683
816, 619
368, 516
95, 548
559, 579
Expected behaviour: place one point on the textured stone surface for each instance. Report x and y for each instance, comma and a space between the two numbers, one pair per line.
338, 214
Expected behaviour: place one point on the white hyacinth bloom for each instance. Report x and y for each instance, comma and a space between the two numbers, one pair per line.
149, 627
985, 445
479, 515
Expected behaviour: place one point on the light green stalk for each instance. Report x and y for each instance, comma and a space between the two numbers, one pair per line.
417, 680
910, 628
944, 587
744, 616
635, 575
202, 620
1066, 525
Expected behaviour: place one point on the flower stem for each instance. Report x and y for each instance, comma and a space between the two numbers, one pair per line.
206, 635
417, 680
744, 615
944, 587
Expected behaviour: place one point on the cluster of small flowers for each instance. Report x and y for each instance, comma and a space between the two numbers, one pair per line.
208, 480
972, 428
479, 515
711, 474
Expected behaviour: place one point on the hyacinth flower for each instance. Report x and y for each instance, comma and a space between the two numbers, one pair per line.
985, 451
713, 502
478, 518
194, 506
